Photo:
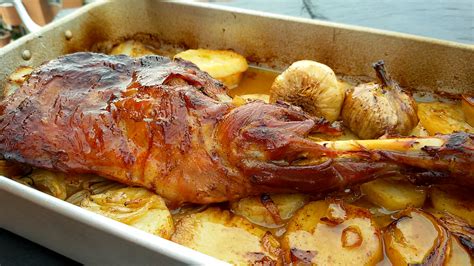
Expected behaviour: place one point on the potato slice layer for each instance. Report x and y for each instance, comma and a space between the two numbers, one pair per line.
458, 255
227, 237
254, 210
444, 118
16, 79
416, 238
455, 200
132, 48
393, 194
226, 66
332, 233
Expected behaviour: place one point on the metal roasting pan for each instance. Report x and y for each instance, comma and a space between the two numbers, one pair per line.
268, 40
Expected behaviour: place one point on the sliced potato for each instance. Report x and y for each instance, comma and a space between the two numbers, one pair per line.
226, 66
458, 254
227, 237
394, 194
253, 209
186, 210
16, 79
137, 207
454, 200
467, 106
380, 215
444, 118
332, 233
416, 238
132, 48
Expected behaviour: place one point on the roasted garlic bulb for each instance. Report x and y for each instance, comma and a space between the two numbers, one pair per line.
370, 110
312, 86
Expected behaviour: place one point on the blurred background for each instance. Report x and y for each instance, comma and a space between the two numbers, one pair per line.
450, 20
441, 19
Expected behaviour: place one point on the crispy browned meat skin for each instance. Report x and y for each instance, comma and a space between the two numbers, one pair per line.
162, 124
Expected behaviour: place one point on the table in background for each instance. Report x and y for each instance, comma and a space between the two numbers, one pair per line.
450, 20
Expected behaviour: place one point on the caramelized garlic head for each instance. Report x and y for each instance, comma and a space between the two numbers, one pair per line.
312, 86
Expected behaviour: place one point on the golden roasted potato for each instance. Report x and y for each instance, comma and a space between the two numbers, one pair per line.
227, 237
226, 66
416, 238
467, 106
137, 207
132, 48
312, 86
15, 80
454, 200
394, 194
458, 255
332, 233
380, 215
444, 118
255, 211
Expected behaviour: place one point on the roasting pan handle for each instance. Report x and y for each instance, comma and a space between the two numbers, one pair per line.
30, 25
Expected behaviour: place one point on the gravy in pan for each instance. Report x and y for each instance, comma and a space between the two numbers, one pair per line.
255, 81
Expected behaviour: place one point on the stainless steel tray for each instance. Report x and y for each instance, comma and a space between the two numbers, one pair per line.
85, 236
269, 40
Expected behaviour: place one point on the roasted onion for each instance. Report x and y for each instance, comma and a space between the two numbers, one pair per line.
137, 207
